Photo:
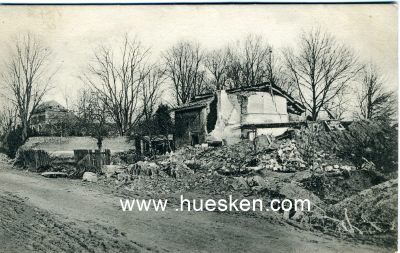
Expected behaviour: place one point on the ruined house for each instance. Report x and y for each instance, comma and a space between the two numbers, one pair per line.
227, 116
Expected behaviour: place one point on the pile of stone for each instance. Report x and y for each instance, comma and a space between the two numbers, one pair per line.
113, 170
243, 158
240, 160
286, 158
171, 168
333, 168
373, 210
227, 160
89, 177
166, 176
4, 158
325, 162
144, 168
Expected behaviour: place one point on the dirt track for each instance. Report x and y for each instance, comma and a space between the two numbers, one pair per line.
61, 215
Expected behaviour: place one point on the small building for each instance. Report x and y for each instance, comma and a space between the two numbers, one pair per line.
227, 116
154, 145
49, 116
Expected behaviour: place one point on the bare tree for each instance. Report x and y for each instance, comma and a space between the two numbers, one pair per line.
184, 68
249, 62
153, 78
66, 94
116, 76
277, 74
246, 63
216, 62
337, 107
8, 119
150, 93
92, 116
26, 78
321, 70
374, 102
85, 105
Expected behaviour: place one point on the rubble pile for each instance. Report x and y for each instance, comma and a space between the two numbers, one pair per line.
126, 157
373, 210
371, 213
226, 160
242, 158
5, 159
113, 170
162, 178
280, 156
166, 176
345, 199
241, 168
336, 186
322, 177
200, 183
285, 159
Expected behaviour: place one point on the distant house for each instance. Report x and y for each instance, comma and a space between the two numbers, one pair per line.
49, 117
227, 116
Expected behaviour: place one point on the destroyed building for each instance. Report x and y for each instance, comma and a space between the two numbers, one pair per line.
227, 116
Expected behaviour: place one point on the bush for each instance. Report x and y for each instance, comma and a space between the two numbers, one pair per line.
14, 141
364, 140
373, 141
35, 160
307, 142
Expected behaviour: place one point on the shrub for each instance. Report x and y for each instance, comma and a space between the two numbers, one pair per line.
35, 160
307, 142
14, 141
373, 141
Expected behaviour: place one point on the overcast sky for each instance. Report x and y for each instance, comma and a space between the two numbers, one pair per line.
72, 32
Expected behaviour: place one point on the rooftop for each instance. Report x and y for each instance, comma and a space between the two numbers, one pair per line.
202, 100
50, 105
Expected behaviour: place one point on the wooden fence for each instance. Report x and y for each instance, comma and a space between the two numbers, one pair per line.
33, 159
92, 158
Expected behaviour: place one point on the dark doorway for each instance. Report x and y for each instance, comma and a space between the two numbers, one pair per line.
195, 139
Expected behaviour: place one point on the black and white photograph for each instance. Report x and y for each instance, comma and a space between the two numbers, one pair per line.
199, 128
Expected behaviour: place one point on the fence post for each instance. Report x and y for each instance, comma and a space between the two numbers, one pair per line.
98, 161
107, 157
79, 154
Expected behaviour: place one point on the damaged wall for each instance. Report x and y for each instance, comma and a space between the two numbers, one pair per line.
227, 127
247, 108
265, 108
220, 118
190, 126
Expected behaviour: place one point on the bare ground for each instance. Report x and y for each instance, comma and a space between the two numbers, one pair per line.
61, 215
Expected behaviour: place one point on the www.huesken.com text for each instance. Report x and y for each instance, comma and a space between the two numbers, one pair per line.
223, 205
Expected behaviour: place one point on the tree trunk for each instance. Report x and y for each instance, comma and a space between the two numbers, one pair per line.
24, 134
100, 143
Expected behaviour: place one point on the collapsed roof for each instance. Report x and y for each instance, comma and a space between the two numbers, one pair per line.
202, 100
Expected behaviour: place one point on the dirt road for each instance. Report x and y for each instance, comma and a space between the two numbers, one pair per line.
61, 215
